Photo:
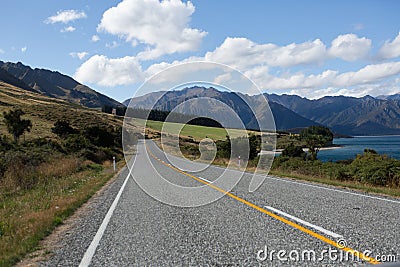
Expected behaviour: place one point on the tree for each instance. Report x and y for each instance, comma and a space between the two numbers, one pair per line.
15, 125
315, 138
293, 151
62, 128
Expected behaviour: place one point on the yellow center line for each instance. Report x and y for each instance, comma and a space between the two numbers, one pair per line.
273, 215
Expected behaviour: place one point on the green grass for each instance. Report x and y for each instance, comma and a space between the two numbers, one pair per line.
196, 132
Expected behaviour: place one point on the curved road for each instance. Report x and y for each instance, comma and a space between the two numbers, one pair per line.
284, 222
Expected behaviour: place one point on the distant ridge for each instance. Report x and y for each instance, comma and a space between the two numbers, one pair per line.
53, 84
284, 118
344, 115
348, 115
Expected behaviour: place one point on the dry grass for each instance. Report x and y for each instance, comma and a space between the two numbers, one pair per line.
44, 111
34, 198
26, 216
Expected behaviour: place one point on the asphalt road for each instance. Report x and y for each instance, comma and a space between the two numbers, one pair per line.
282, 223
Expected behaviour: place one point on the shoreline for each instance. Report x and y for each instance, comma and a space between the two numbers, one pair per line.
306, 149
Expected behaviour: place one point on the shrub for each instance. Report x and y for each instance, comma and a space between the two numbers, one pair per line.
293, 151
62, 128
15, 125
104, 137
75, 143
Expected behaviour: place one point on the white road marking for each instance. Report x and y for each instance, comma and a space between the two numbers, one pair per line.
330, 189
204, 179
87, 258
316, 227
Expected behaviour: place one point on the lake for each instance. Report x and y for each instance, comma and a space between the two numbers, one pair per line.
389, 145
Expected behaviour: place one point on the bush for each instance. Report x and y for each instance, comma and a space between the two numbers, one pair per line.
75, 143
375, 169
293, 151
104, 137
370, 168
62, 128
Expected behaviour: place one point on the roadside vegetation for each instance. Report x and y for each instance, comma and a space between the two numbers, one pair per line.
53, 157
369, 171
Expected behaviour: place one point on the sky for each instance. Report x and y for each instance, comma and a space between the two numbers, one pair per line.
308, 48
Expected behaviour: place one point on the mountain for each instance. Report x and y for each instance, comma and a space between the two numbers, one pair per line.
347, 115
212, 107
53, 84
389, 97
10, 79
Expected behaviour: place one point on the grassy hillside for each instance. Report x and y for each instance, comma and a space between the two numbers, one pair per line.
45, 177
44, 111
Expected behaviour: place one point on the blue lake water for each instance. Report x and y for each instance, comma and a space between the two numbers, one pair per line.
389, 145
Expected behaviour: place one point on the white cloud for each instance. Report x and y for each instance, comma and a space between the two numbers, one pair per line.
2, 51
95, 38
350, 47
106, 71
242, 53
80, 55
390, 49
113, 45
65, 16
68, 29
163, 26
368, 74
23, 49
270, 66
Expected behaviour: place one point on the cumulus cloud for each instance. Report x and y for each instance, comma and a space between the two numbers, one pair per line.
163, 26
350, 47
80, 55
95, 38
68, 29
242, 52
270, 66
390, 49
106, 71
368, 75
65, 16
23, 49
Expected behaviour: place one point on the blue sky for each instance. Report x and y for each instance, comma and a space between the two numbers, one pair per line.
309, 48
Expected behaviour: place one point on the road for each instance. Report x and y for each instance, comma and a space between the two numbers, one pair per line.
282, 223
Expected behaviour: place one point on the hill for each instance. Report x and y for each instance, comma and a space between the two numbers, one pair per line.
167, 101
44, 111
348, 115
53, 84
345, 115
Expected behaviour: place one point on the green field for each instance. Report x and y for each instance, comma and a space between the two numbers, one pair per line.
196, 132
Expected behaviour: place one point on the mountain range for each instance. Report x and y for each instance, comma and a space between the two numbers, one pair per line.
346, 115
53, 84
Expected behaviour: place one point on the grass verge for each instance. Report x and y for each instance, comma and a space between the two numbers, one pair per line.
26, 217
